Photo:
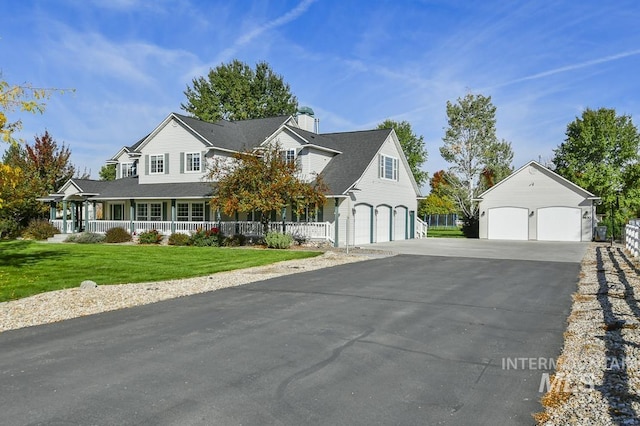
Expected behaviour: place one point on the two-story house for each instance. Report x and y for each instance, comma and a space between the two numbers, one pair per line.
161, 181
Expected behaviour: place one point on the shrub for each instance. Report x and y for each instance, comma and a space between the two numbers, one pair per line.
117, 235
150, 237
85, 238
206, 238
299, 238
10, 228
277, 240
40, 229
179, 239
471, 227
234, 241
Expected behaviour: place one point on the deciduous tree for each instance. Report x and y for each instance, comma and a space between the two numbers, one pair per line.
108, 172
600, 154
474, 151
412, 146
235, 91
262, 181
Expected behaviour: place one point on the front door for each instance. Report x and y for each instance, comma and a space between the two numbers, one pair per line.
117, 212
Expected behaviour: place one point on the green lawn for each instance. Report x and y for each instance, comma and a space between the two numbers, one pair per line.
28, 268
442, 232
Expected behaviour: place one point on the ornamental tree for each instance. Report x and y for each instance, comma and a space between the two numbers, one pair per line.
262, 181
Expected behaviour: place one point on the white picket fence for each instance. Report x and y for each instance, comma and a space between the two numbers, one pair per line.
632, 237
421, 228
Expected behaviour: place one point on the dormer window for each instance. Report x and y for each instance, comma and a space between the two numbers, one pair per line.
127, 169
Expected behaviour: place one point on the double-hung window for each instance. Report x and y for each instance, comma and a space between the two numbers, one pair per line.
155, 211
197, 212
156, 163
288, 155
193, 162
142, 211
183, 212
388, 167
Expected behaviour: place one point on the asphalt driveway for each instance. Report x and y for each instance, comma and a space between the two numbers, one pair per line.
409, 340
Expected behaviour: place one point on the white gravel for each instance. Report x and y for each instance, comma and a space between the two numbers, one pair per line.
75, 302
597, 381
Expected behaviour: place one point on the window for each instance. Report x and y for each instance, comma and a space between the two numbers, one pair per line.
388, 167
183, 212
155, 211
157, 164
197, 212
127, 170
142, 211
193, 162
288, 155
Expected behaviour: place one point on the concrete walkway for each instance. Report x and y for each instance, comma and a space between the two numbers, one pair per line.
550, 251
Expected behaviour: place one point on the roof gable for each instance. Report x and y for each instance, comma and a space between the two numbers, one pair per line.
541, 169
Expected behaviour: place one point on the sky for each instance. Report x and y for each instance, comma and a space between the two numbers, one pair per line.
355, 63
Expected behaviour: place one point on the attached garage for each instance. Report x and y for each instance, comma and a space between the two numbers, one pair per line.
535, 203
362, 222
383, 223
559, 224
400, 223
508, 223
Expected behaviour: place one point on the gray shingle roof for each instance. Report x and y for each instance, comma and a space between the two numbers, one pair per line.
130, 188
358, 150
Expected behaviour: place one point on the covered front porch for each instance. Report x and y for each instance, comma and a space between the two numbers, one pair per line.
318, 231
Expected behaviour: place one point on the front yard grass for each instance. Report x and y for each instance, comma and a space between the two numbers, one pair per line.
28, 268
444, 232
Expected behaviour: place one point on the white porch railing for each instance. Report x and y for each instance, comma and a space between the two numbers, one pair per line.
421, 228
632, 237
311, 230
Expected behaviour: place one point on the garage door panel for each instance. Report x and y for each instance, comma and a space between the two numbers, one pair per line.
508, 223
400, 224
559, 224
362, 231
383, 224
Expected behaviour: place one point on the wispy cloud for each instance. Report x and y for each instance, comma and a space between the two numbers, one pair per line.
246, 38
568, 68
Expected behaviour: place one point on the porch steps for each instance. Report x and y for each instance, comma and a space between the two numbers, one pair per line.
58, 238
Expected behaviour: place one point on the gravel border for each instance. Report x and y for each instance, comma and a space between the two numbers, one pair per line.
597, 379
60, 305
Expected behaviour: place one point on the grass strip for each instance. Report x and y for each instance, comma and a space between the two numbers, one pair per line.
28, 268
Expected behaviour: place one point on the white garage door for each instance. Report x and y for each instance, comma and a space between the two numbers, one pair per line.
362, 219
383, 224
508, 223
400, 224
559, 224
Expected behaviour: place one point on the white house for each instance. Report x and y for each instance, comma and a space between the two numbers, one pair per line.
535, 203
161, 181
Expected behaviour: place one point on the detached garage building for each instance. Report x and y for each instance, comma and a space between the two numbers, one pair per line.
534, 203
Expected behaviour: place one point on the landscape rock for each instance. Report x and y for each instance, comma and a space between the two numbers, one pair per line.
88, 285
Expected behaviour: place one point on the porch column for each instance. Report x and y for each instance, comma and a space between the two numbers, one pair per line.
86, 216
132, 214
173, 216
52, 210
64, 216
284, 219
73, 216
336, 214
237, 224
219, 219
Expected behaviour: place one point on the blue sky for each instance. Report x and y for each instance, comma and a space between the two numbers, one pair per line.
356, 63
